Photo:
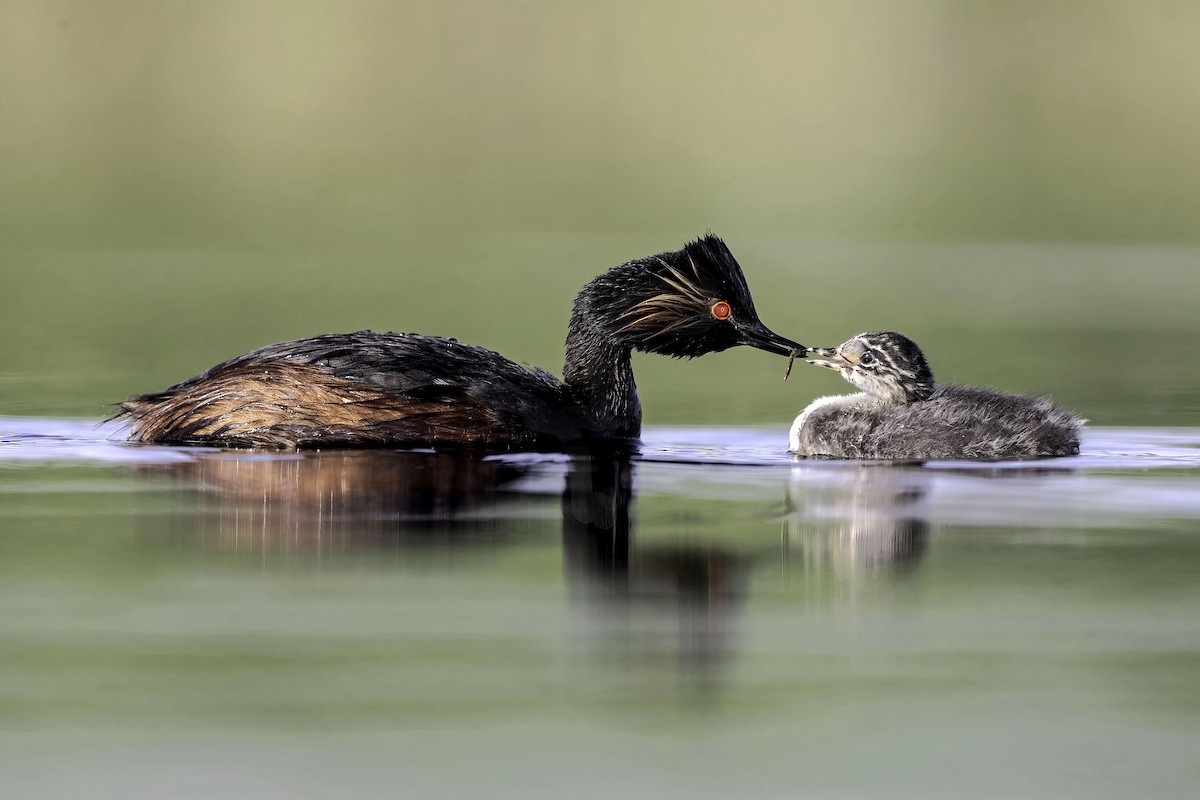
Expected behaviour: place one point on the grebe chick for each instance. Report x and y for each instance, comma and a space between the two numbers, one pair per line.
394, 389
900, 413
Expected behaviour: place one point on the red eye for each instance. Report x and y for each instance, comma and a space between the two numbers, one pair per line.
721, 310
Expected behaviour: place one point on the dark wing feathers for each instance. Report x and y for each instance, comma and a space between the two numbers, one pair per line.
360, 389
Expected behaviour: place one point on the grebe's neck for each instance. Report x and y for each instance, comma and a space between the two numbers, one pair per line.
599, 375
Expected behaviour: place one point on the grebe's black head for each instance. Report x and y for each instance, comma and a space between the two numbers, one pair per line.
885, 364
682, 304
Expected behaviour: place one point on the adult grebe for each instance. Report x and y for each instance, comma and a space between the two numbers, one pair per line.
901, 414
378, 389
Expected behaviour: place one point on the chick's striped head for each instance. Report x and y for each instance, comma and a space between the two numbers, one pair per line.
885, 364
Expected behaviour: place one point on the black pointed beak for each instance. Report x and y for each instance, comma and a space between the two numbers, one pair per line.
762, 337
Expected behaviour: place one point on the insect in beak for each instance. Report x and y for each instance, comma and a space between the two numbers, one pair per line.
799, 351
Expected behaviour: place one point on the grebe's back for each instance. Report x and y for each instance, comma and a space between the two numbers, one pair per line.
360, 390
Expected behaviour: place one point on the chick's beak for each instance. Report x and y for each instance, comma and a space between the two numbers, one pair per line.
837, 362
762, 337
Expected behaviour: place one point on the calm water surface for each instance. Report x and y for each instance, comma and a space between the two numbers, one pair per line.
706, 618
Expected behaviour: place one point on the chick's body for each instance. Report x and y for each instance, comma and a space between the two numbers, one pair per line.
901, 414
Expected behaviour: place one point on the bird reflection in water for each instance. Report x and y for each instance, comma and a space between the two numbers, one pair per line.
654, 613
669, 603
346, 501
642, 603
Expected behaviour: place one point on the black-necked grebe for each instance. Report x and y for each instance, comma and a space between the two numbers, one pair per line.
901, 414
377, 389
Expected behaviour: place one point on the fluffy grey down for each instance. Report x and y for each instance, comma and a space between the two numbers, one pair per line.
955, 422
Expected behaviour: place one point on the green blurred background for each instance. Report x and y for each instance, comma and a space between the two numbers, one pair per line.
1015, 184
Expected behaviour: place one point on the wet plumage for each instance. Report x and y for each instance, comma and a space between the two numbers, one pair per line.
902, 413
379, 389
356, 390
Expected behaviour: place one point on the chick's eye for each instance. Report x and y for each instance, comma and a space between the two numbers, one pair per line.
721, 310
866, 358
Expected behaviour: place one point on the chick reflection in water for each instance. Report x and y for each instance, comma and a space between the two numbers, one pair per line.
856, 521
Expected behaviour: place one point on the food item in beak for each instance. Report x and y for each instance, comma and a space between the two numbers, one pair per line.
799, 351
